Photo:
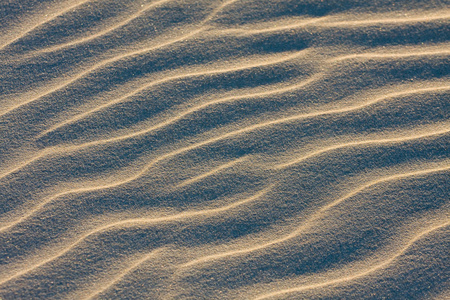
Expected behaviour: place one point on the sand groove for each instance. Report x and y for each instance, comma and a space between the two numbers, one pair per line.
310, 220
226, 149
181, 115
357, 275
205, 213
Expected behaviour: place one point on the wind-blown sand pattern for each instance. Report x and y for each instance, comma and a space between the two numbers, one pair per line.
224, 149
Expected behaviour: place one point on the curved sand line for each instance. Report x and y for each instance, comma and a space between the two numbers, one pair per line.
53, 15
308, 222
50, 90
360, 274
402, 108
120, 57
142, 10
319, 22
433, 132
116, 279
206, 213
165, 79
240, 67
211, 173
391, 55
183, 150
179, 116
66, 149
108, 61
330, 22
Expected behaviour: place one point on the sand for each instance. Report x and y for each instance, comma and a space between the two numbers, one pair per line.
182, 149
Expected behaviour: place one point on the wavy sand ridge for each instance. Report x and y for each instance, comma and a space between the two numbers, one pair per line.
365, 272
224, 150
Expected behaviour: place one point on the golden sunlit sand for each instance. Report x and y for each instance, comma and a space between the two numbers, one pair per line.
238, 149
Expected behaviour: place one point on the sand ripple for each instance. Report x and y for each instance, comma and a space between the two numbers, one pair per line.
234, 149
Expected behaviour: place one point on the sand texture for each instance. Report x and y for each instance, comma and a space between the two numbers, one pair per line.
224, 149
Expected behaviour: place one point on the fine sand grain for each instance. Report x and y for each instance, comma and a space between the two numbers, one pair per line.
235, 149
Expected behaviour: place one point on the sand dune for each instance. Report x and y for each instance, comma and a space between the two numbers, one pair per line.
180, 149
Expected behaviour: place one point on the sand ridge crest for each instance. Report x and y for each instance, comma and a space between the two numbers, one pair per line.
234, 149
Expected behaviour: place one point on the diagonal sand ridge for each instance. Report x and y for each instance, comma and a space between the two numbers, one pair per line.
224, 149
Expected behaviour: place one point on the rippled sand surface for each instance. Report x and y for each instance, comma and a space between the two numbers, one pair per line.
240, 149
